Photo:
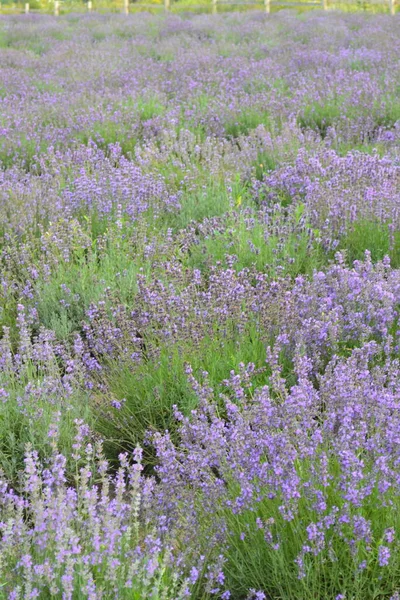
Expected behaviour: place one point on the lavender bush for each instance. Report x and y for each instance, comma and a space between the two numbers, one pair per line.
199, 307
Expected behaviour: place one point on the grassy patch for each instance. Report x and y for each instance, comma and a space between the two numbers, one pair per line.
245, 122
378, 238
256, 240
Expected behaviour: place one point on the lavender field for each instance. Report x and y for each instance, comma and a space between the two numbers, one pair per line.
199, 307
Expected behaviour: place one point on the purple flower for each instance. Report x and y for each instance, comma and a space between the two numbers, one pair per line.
383, 556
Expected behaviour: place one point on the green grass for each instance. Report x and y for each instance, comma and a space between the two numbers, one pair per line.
372, 236
212, 199
264, 164
247, 120
91, 275
388, 111
33, 404
149, 390
253, 244
320, 117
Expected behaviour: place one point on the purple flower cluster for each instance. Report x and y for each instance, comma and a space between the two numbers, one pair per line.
334, 308
95, 534
338, 191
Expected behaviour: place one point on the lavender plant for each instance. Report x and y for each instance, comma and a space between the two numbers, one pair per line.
199, 307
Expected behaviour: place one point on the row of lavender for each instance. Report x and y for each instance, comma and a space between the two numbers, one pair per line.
200, 285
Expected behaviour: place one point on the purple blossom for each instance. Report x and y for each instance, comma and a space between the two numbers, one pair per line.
383, 556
